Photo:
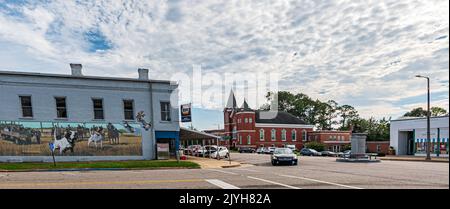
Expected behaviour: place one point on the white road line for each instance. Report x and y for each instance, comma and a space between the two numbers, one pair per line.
325, 182
243, 169
227, 172
70, 174
272, 182
221, 184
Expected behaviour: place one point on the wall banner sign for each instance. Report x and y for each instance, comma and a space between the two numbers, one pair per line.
186, 113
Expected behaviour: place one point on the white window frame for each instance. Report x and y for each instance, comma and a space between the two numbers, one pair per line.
283, 135
249, 138
273, 135
294, 133
261, 135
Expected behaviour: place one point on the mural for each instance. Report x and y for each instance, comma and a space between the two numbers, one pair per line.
69, 139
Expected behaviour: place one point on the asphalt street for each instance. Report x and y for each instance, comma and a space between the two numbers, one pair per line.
255, 173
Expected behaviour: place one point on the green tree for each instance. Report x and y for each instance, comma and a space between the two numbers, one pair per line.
416, 112
438, 111
347, 113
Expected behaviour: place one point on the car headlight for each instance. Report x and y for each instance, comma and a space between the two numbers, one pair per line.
295, 156
274, 157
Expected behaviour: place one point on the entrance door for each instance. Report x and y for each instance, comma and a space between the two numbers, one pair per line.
410, 143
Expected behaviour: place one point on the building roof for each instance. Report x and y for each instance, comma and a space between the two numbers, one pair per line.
81, 77
245, 106
231, 103
281, 117
418, 118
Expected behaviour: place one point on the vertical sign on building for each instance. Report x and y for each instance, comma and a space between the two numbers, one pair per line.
186, 113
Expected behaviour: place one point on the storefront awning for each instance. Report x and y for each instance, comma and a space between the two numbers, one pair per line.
188, 134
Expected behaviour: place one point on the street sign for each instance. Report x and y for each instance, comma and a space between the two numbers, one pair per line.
52, 146
186, 113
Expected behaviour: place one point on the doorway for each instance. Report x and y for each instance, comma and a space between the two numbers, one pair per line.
410, 149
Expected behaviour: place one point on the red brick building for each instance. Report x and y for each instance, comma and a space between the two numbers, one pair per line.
245, 127
377, 147
333, 140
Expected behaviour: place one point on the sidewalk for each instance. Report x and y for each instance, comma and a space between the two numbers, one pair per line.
414, 158
213, 163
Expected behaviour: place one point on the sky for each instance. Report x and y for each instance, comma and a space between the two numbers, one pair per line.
361, 53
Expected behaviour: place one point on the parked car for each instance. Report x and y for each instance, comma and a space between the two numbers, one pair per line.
328, 153
260, 150
347, 153
309, 152
206, 150
269, 150
283, 156
246, 150
191, 149
291, 146
221, 152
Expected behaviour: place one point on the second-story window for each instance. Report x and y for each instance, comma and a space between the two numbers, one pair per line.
27, 109
98, 109
283, 135
128, 109
61, 107
165, 111
273, 135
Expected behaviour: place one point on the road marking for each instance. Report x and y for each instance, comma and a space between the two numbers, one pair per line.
70, 174
100, 182
325, 182
273, 182
227, 172
243, 169
221, 184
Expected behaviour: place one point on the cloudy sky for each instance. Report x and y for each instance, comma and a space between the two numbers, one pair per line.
362, 53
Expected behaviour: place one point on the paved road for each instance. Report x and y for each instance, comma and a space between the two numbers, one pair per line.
311, 173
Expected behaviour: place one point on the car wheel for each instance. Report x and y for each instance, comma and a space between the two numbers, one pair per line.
273, 163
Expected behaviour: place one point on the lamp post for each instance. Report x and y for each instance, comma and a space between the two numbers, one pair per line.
428, 116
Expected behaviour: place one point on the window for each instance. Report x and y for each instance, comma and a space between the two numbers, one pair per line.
294, 135
61, 108
305, 135
250, 120
27, 109
249, 139
165, 111
128, 109
98, 109
378, 148
273, 135
283, 135
246, 120
261, 134
330, 138
240, 139
234, 132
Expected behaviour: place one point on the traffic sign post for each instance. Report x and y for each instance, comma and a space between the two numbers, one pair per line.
51, 146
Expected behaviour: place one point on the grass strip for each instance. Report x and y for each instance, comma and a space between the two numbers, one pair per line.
142, 164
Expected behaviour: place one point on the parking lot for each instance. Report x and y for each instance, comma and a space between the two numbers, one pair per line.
256, 172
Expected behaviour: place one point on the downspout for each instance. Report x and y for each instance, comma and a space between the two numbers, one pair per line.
153, 122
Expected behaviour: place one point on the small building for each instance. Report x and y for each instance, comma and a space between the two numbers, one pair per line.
334, 140
246, 127
37, 107
380, 147
408, 136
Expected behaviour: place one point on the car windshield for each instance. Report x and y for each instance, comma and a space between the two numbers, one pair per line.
283, 151
313, 150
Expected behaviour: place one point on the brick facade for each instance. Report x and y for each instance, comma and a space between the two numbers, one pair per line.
333, 140
377, 147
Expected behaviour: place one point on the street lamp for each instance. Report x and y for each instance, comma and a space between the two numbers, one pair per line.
428, 116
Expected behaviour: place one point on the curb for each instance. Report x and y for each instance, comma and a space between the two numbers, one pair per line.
230, 166
93, 169
432, 161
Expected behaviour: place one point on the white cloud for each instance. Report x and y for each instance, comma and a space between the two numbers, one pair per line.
342, 50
